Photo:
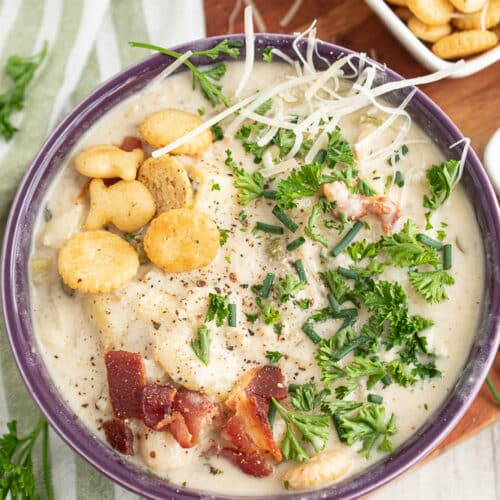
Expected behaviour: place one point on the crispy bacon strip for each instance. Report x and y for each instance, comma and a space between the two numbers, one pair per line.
119, 436
250, 400
356, 206
130, 143
251, 463
156, 405
191, 413
126, 380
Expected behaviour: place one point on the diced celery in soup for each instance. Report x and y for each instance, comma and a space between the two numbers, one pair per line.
288, 296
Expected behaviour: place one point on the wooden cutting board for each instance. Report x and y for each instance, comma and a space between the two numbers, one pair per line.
473, 103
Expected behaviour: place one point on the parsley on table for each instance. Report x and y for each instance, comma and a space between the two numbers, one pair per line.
201, 344
251, 186
16, 462
441, 179
430, 284
305, 397
21, 71
288, 287
210, 90
313, 429
273, 356
218, 308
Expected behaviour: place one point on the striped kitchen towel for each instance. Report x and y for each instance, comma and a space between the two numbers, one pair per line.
87, 44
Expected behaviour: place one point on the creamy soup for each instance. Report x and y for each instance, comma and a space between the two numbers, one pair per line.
375, 352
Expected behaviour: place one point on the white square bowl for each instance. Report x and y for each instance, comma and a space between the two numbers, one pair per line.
421, 52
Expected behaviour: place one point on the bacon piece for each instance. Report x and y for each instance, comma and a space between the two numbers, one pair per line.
235, 432
156, 405
250, 400
119, 436
192, 412
130, 143
126, 380
356, 206
251, 463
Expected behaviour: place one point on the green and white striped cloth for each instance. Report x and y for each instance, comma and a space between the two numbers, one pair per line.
87, 45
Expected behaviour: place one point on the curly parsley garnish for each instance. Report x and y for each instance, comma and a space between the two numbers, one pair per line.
16, 462
21, 71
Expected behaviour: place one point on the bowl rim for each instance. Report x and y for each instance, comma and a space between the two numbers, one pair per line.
82, 441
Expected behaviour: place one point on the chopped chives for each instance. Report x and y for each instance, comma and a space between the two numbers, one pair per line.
309, 331
299, 267
232, 315
271, 414
362, 339
268, 228
346, 240
350, 312
347, 273
399, 179
270, 194
429, 242
284, 219
266, 286
320, 157
447, 257
375, 398
333, 303
386, 380
296, 243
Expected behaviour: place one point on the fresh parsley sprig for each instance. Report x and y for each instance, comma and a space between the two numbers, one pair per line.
251, 186
201, 344
210, 90
16, 462
21, 71
313, 429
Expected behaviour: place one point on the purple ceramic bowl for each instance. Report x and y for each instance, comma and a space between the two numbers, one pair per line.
16, 299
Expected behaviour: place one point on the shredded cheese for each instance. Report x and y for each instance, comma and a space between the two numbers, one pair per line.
250, 51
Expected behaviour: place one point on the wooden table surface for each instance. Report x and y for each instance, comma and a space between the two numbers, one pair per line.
473, 103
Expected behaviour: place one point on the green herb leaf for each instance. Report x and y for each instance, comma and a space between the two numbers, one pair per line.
21, 70
288, 287
367, 426
209, 89
404, 249
362, 250
338, 150
218, 308
224, 235
441, 179
311, 223
16, 463
251, 186
300, 184
201, 345
267, 54
431, 284
273, 356
229, 47
271, 314
305, 397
